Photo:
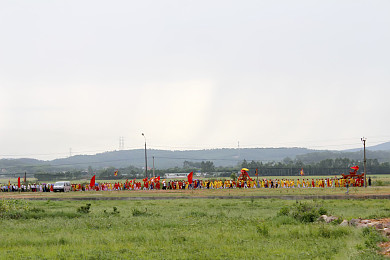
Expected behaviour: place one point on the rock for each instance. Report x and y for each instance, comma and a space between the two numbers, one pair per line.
366, 221
386, 231
387, 224
379, 226
330, 219
361, 225
354, 222
322, 218
344, 223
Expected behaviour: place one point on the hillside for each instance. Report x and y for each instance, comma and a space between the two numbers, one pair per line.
378, 147
164, 159
168, 159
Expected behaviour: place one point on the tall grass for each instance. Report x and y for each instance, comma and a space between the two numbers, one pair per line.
184, 229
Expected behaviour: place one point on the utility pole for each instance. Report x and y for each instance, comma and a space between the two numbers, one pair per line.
363, 139
239, 154
146, 159
153, 167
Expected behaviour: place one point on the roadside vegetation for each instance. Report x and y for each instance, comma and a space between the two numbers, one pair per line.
187, 229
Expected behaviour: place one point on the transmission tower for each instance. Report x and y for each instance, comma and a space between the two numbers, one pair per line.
121, 143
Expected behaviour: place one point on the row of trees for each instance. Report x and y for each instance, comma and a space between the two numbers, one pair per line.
286, 167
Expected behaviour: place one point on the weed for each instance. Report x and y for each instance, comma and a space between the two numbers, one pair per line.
263, 230
303, 212
284, 211
84, 209
136, 212
379, 183
373, 237
198, 214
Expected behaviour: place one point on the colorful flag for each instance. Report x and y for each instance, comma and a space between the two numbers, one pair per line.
92, 183
257, 172
19, 182
116, 173
301, 172
189, 177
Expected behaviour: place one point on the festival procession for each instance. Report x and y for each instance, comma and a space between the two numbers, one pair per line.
244, 181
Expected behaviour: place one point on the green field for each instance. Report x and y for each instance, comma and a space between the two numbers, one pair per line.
184, 229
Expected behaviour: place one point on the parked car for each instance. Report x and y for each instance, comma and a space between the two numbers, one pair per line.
63, 186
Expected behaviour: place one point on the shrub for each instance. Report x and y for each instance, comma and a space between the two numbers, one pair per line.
137, 212
373, 237
284, 211
13, 209
198, 214
379, 183
263, 230
303, 212
84, 209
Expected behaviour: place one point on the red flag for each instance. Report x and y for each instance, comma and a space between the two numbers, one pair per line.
19, 182
301, 172
189, 177
92, 183
257, 172
116, 173
355, 167
158, 178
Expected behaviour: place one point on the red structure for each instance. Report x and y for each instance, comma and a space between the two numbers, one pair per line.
244, 175
356, 178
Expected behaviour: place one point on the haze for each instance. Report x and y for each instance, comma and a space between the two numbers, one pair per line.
192, 75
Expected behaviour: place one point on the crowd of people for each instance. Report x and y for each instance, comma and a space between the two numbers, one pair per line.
33, 187
183, 184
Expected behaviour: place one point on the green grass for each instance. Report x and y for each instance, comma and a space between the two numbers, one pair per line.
185, 229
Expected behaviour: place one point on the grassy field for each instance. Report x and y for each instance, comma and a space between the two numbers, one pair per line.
246, 228
184, 229
355, 191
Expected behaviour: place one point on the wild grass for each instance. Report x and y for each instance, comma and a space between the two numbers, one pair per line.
186, 229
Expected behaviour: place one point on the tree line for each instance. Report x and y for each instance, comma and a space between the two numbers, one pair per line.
286, 167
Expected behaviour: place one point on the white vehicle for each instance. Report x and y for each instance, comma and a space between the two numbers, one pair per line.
61, 186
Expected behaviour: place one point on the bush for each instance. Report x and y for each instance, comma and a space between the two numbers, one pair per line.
84, 209
263, 230
13, 209
373, 237
284, 211
379, 183
137, 212
303, 212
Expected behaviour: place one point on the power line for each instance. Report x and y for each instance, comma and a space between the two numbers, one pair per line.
199, 147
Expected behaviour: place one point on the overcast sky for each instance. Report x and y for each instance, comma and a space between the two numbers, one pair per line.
192, 75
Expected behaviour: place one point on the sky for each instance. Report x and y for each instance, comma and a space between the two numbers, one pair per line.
75, 76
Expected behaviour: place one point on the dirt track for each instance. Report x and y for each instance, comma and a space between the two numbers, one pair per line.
284, 197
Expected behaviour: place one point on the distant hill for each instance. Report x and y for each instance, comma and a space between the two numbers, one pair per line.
314, 157
169, 159
378, 147
164, 159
